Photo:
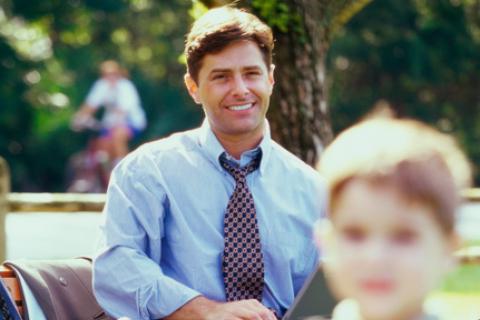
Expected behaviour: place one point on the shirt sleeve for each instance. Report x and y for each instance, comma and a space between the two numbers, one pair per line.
127, 277
311, 254
96, 95
129, 101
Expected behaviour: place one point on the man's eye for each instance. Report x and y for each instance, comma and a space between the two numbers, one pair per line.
404, 237
253, 73
354, 234
219, 77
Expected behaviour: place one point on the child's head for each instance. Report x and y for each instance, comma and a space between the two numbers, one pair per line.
394, 188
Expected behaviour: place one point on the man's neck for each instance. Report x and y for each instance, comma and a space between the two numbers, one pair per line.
236, 146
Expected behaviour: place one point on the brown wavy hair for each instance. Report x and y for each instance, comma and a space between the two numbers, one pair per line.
220, 27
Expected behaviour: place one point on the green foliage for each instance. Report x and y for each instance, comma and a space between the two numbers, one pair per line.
49, 55
347, 9
420, 57
280, 16
197, 9
275, 12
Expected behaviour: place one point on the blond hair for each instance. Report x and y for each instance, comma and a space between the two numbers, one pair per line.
424, 164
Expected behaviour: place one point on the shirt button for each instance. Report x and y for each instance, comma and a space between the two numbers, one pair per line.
63, 281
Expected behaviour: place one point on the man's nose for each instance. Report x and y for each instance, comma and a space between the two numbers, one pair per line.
240, 88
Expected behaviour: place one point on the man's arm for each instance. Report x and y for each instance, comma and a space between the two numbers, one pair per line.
128, 280
81, 119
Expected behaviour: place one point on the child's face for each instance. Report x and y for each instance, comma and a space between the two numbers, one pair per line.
384, 251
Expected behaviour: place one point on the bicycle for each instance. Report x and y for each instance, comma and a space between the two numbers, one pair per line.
88, 170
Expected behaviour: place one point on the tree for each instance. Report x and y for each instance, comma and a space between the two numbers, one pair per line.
49, 56
303, 31
420, 57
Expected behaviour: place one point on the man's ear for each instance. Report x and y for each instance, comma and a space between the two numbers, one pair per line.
191, 87
271, 78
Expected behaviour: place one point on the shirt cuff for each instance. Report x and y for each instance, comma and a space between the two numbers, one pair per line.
171, 295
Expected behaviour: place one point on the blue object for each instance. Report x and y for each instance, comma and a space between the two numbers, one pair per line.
8, 311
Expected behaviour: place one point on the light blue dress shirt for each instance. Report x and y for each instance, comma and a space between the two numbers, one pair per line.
162, 238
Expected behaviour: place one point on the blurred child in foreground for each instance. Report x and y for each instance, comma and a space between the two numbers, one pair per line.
390, 238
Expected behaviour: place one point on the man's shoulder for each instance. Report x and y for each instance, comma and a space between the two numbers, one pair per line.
176, 142
176, 145
291, 162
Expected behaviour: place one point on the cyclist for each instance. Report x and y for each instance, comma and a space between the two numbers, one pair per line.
124, 117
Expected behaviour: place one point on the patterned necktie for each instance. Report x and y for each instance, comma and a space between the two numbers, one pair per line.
243, 268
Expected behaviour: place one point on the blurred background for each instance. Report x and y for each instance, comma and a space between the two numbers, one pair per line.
419, 57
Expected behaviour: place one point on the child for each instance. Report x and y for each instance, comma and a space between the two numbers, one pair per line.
394, 188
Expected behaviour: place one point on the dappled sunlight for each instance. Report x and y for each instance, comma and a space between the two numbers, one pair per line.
29, 39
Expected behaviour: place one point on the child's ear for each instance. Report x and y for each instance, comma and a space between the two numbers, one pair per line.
456, 242
453, 245
324, 237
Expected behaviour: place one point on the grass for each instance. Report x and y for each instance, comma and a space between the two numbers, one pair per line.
465, 279
459, 296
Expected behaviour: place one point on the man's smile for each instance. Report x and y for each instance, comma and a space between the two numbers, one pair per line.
241, 107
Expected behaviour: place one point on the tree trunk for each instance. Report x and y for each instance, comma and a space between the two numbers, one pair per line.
298, 113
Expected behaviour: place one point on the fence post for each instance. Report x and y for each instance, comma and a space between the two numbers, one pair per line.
4, 190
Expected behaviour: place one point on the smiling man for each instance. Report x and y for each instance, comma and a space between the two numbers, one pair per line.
212, 223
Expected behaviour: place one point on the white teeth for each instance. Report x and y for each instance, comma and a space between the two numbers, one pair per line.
240, 108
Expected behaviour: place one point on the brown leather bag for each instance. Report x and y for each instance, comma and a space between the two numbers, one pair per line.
62, 288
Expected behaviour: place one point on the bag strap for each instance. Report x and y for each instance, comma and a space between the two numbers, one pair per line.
8, 311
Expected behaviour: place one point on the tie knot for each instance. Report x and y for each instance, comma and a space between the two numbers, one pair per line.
239, 173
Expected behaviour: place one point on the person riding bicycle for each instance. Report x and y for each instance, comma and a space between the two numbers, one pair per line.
123, 118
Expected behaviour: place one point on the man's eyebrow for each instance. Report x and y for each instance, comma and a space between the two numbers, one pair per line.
255, 67
220, 70
225, 70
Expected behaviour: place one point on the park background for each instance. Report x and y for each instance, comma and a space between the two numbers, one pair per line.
420, 57
336, 61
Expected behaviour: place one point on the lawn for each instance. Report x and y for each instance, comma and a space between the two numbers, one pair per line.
459, 296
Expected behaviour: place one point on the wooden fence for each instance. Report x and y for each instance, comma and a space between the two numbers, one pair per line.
40, 202
4, 190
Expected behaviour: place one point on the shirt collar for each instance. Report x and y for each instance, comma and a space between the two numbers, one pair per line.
214, 149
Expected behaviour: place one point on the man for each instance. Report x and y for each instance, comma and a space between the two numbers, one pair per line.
212, 223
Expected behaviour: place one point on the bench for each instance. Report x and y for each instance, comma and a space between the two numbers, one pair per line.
469, 255
12, 284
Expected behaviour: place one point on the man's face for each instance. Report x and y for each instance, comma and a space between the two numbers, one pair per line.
385, 252
234, 88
